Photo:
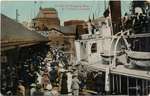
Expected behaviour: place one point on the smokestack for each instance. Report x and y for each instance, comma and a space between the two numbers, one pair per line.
115, 8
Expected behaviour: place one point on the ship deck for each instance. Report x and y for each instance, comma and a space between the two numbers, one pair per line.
120, 70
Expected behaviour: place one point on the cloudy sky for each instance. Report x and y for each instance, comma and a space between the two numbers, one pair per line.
67, 10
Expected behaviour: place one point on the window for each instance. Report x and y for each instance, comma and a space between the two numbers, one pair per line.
94, 48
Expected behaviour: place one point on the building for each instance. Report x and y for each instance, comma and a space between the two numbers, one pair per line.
79, 24
63, 38
74, 22
16, 44
46, 19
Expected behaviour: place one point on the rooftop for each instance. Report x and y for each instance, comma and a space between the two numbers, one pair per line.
14, 33
47, 13
48, 9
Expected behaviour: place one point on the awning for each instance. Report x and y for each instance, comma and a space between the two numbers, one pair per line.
14, 35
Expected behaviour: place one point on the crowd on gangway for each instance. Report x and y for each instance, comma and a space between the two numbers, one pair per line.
54, 76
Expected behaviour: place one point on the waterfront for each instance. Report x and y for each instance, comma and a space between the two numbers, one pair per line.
103, 55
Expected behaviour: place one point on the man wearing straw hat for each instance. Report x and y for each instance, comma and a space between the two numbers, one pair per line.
32, 89
47, 90
75, 85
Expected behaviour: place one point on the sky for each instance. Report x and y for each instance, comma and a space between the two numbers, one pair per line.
67, 10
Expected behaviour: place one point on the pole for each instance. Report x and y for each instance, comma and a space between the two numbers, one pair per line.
17, 14
105, 4
35, 8
117, 84
113, 82
107, 80
136, 86
120, 83
143, 87
146, 86
127, 85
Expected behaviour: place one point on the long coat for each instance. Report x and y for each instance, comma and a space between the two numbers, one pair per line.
64, 89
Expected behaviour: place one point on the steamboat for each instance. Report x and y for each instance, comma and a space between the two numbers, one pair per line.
119, 49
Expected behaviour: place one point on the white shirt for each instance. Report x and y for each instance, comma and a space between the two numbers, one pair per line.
32, 90
105, 31
39, 79
69, 81
89, 28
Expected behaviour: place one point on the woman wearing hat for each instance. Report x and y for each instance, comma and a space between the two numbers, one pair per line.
75, 85
21, 89
45, 80
32, 89
64, 89
47, 90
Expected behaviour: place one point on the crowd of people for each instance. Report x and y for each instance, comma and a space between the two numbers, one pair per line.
139, 22
47, 71
21, 68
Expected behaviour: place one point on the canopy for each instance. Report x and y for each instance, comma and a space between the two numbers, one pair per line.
15, 34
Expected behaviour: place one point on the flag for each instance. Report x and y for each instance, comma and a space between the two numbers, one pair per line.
93, 16
89, 19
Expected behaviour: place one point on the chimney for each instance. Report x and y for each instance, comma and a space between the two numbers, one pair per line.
115, 8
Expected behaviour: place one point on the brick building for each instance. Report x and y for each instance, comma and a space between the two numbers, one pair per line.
81, 27
63, 38
74, 22
46, 19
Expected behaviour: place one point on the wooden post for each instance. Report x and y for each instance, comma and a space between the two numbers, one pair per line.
136, 86
146, 87
120, 83
107, 80
127, 85
117, 83
143, 87
113, 82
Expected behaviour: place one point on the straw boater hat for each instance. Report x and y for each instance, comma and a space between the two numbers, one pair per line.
48, 87
33, 85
